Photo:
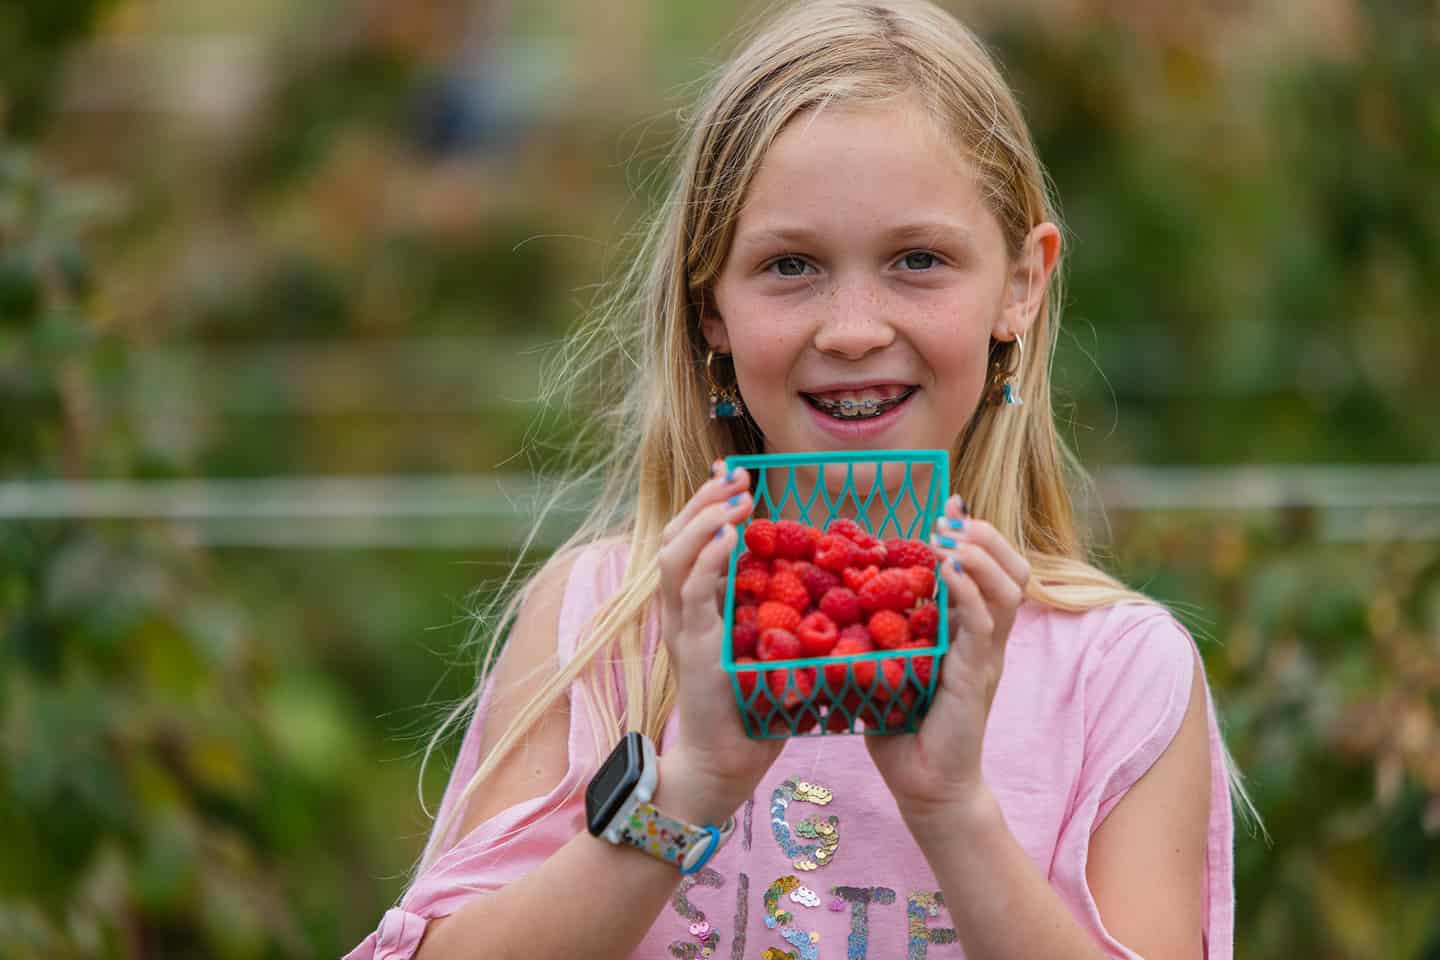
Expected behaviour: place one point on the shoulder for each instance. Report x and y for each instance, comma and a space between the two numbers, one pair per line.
552, 603
1132, 663
572, 583
1093, 636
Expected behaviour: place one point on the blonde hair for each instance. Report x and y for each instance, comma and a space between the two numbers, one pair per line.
659, 442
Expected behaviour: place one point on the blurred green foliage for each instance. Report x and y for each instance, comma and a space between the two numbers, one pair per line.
346, 262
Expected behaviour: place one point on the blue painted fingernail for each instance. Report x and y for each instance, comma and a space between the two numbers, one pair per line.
719, 533
735, 500
956, 565
953, 524
946, 542
729, 474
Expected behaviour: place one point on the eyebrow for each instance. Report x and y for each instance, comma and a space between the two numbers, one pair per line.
916, 230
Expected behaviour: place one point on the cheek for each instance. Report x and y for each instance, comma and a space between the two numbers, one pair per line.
765, 352
954, 341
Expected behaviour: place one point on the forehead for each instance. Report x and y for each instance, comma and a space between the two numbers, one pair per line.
858, 167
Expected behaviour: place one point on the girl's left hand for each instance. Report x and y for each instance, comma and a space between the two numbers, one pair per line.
939, 765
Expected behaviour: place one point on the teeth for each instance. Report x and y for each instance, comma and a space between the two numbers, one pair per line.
858, 406
876, 394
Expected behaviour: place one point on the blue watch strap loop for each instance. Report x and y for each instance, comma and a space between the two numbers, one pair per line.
714, 834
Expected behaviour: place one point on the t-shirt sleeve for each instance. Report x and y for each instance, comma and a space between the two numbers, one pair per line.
521, 837
1136, 690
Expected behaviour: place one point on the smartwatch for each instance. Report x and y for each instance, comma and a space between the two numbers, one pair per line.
618, 809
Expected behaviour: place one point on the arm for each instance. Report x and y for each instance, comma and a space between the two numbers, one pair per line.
589, 898
1002, 905
1145, 867
608, 897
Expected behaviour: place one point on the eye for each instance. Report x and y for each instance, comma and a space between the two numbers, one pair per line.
919, 260
788, 266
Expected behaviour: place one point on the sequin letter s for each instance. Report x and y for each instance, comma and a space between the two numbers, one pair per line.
704, 937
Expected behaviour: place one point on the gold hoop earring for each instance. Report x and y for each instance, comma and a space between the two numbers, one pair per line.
1005, 384
725, 402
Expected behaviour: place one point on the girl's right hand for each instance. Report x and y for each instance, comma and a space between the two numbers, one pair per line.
710, 753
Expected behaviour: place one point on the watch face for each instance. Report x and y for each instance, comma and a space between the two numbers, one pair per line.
610, 787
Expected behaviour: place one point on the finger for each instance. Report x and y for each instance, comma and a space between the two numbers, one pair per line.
721, 485
957, 525
996, 586
678, 556
707, 575
969, 613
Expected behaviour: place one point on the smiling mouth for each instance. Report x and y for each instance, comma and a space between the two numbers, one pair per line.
864, 408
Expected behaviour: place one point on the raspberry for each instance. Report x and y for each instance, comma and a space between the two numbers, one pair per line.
781, 565
835, 672
795, 540
773, 616
818, 582
750, 586
858, 712
790, 688
922, 581
868, 551
818, 635
848, 529
833, 552
885, 687
743, 639
923, 667
855, 577
893, 677
778, 644
760, 537
858, 633
890, 630
925, 621
747, 678
745, 614
752, 561
786, 588
841, 605
908, 553
888, 590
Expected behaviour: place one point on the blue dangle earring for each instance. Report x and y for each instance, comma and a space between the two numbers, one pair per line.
725, 402
1005, 384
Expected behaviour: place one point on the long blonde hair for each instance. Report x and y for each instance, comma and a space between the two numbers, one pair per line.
658, 443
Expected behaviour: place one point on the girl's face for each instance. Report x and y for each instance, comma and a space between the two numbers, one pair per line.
865, 266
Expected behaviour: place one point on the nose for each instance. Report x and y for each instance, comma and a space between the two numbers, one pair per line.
855, 322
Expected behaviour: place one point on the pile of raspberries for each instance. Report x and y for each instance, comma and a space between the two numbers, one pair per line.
801, 592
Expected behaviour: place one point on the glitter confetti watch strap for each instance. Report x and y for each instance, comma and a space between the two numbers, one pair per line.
684, 844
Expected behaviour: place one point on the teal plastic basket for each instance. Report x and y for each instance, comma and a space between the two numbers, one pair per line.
815, 489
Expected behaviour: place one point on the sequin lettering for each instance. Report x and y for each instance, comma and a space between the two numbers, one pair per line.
825, 832
742, 916
920, 907
703, 936
857, 944
782, 921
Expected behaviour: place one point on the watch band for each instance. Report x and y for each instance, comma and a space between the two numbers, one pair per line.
684, 844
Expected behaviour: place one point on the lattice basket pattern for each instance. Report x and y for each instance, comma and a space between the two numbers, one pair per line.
891, 493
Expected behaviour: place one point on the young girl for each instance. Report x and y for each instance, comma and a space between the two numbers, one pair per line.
859, 215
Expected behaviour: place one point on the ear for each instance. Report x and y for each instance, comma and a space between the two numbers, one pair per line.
1028, 281
712, 326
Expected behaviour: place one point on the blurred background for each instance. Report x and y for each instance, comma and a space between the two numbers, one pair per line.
277, 284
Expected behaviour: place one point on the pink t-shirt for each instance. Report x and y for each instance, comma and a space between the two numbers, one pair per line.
1086, 703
